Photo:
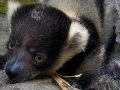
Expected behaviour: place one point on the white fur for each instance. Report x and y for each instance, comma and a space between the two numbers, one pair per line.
12, 7
77, 38
78, 28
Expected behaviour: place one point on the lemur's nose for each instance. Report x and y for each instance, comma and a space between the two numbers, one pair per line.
12, 72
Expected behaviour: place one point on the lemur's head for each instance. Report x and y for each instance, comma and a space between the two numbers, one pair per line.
42, 39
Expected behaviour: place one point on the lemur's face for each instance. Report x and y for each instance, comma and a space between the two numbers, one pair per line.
37, 35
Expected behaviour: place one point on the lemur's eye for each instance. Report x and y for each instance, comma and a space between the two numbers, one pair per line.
11, 46
39, 58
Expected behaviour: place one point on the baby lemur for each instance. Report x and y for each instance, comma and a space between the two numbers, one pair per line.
64, 36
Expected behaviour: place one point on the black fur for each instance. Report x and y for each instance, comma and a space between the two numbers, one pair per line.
107, 56
110, 47
100, 5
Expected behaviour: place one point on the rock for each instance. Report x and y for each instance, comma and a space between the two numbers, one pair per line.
3, 79
4, 32
44, 84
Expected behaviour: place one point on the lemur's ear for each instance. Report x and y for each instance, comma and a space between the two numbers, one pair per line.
76, 42
12, 7
78, 34
77, 39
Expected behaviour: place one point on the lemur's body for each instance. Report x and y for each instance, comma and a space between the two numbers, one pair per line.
64, 36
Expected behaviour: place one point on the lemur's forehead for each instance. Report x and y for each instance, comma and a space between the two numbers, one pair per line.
38, 12
40, 16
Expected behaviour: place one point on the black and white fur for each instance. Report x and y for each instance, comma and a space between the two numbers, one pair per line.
69, 33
